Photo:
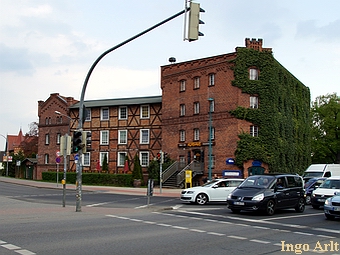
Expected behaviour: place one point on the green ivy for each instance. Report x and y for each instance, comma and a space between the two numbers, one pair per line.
282, 117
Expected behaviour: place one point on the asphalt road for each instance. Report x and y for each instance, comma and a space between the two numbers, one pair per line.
34, 222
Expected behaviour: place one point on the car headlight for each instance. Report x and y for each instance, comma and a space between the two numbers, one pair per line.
258, 197
229, 196
328, 201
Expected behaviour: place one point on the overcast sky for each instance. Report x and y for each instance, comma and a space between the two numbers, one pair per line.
48, 46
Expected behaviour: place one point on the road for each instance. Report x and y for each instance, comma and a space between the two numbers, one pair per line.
34, 222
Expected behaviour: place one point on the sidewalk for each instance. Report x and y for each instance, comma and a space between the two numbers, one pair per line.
166, 192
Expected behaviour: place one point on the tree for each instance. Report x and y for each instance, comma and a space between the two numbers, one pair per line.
325, 114
34, 129
105, 166
137, 173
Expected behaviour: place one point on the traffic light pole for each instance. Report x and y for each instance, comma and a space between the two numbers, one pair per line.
81, 103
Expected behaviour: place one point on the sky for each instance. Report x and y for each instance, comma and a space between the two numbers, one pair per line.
48, 46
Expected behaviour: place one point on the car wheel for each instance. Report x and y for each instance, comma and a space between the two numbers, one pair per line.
270, 207
329, 217
300, 207
308, 200
202, 199
315, 206
235, 210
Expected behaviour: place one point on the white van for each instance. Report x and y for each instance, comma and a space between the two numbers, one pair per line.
321, 170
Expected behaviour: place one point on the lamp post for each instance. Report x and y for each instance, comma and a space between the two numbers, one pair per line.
65, 156
7, 154
210, 133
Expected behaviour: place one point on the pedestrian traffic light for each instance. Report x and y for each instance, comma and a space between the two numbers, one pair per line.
87, 136
77, 141
194, 22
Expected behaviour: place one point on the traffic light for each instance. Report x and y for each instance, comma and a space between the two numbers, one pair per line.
77, 141
194, 22
87, 136
65, 145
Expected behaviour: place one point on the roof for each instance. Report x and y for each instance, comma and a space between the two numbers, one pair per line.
120, 101
32, 160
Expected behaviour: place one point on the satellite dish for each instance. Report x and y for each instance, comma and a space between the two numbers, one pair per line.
172, 60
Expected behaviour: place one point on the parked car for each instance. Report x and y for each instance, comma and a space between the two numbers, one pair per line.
310, 186
268, 193
326, 190
332, 206
214, 191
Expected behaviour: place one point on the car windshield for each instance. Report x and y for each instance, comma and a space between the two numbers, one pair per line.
210, 183
257, 182
331, 184
313, 174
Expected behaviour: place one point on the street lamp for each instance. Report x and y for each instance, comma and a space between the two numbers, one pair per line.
7, 154
65, 155
210, 134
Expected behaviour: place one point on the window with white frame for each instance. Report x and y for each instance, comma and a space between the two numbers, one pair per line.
87, 114
121, 158
46, 159
104, 137
102, 157
196, 134
122, 136
58, 138
212, 105
196, 107
211, 79
123, 114
253, 74
254, 102
182, 135
182, 85
145, 111
144, 136
47, 139
254, 131
86, 159
182, 110
104, 113
144, 158
196, 82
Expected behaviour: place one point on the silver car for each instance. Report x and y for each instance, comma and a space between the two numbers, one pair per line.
332, 206
214, 191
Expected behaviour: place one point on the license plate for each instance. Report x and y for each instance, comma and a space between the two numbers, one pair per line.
321, 200
238, 203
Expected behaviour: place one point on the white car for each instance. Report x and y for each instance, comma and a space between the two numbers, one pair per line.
214, 191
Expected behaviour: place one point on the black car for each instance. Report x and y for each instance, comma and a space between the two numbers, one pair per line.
268, 193
310, 186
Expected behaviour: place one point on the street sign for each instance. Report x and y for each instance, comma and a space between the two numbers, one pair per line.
76, 157
57, 153
57, 160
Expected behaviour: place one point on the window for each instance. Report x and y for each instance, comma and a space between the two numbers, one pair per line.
254, 131
46, 159
58, 138
122, 136
122, 113
254, 102
144, 136
196, 82
253, 74
104, 114
47, 139
145, 112
46, 121
144, 158
87, 114
49, 120
182, 159
104, 137
102, 157
121, 158
212, 105
182, 110
196, 107
182, 135
86, 159
182, 85
211, 79
196, 134
212, 133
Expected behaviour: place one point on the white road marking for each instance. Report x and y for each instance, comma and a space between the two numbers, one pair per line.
93, 205
15, 248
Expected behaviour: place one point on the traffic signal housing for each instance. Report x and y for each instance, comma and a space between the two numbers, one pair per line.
77, 141
194, 22
87, 136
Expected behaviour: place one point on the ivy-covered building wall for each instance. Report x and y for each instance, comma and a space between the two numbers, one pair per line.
282, 116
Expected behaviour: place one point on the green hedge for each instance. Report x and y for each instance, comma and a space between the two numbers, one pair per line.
119, 180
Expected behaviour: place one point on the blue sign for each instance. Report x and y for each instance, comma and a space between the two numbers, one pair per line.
76, 157
57, 160
230, 161
256, 163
